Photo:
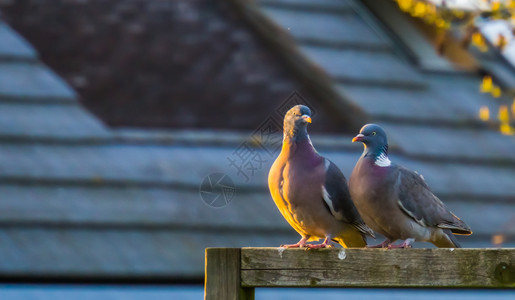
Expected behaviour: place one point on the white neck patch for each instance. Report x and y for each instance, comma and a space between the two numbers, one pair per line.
382, 161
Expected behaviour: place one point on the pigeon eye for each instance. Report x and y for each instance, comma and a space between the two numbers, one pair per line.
374, 133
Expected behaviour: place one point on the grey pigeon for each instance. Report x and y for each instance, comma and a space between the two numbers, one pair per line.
397, 202
311, 192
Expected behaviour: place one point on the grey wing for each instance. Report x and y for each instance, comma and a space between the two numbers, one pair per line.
417, 201
337, 198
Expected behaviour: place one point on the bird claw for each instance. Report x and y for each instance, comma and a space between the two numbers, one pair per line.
404, 245
385, 244
325, 244
318, 246
302, 244
299, 244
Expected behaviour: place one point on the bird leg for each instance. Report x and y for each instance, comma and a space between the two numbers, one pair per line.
385, 244
325, 244
406, 244
299, 244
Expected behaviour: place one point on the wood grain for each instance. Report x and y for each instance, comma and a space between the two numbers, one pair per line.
222, 277
442, 268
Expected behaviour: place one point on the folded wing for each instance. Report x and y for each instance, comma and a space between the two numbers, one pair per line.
418, 202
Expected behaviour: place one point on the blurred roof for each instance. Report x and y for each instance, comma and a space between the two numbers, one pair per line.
194, 62
86, 202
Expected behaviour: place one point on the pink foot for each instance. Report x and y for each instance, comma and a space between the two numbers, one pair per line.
325, 244
384, 244
404, 245
299, 244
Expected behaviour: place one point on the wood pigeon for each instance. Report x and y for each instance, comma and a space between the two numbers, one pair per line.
311, 192
397, 202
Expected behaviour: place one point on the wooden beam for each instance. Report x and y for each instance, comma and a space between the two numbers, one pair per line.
402, 268
222, 275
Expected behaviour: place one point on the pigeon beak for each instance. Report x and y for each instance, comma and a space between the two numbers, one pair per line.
307, 118
358, 138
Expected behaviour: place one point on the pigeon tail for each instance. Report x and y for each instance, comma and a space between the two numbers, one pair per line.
457, 230
456, 226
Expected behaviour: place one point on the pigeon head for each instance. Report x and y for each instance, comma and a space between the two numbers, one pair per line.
371, 135
296, 121
375, 141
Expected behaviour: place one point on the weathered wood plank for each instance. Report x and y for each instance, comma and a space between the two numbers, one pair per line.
222, 278
464, 268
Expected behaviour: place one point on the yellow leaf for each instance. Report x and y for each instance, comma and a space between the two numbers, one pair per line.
477, 39
496, 5
479, 42
506, 129
484, 113
487, 84
504, 116
419, 10
405, 5
496, 92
